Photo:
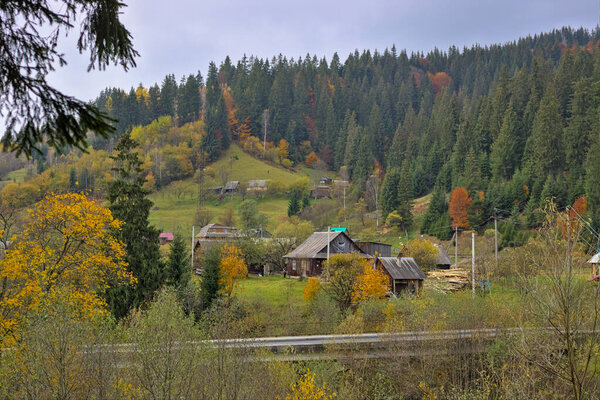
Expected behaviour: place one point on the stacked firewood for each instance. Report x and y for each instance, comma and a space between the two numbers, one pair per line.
448, 280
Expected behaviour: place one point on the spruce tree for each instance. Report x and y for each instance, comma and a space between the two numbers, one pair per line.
178, 270
592, 176
548, 154
389, 192
128, 203
294, 204
210, 285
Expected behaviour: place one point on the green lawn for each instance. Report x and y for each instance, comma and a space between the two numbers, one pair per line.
273, 290
241, 166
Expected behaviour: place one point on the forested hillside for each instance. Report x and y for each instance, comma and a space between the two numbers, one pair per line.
514, 124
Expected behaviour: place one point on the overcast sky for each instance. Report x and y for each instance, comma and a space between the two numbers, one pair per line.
183, 36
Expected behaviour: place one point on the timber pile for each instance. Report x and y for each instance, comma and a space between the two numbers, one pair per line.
448, 280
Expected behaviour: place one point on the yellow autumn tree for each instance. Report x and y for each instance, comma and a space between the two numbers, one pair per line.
370, 284
233, 267
67, 249
311, 289
283, 150
307, 389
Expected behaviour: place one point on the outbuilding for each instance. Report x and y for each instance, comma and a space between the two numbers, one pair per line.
404, 274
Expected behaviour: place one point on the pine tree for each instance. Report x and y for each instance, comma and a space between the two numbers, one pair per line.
210, 286
389, 192
294, 204
188, 101
548, 155
436, 210
178, 270
592, 176
506, 149
168, 94
128, 203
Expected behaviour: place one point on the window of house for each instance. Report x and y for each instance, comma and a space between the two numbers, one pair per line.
293, 265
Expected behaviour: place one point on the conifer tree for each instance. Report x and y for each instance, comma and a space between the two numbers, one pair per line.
389, 192
128, 203
178, 271
506, 149
548, 154
294, 203
210, 286
592, 178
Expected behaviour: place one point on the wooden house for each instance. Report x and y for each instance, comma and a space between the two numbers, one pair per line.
375, 249
307, 259
320, 192
404, 274
215, 235
443, 259
325, 180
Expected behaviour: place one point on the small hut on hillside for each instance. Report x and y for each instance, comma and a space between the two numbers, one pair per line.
404, 273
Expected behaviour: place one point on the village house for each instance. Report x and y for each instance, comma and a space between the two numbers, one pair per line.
325, 180
404, 274
165, 237
215, 235
307, 259
320, 192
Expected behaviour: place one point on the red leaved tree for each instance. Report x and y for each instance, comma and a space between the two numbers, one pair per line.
459, 205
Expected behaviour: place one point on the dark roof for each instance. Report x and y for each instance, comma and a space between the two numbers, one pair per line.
402, 268
443, 258
316, 246
232, 185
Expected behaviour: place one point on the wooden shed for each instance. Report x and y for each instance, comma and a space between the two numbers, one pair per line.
595, 262
307, 259
404, 273
443, 259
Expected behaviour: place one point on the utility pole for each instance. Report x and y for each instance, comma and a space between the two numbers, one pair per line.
265, 115
193, 234
496, 236
473, 261
345, 203
456, 248
328, 229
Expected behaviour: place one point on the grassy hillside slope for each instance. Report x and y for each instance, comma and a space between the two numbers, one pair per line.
175, 204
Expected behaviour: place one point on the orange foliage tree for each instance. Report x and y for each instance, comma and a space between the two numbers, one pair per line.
311, 290
459, 205
439, 80
370, 284
311, 160
233, 267
67, 249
